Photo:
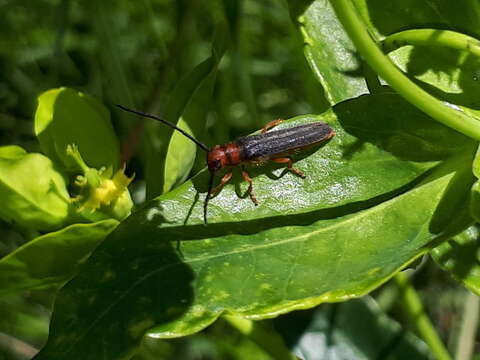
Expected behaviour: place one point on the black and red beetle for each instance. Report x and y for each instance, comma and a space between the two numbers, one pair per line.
273, 146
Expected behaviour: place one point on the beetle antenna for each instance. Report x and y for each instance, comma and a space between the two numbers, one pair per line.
207, 199
150, 116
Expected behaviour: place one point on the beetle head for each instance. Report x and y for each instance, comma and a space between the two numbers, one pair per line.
216, 158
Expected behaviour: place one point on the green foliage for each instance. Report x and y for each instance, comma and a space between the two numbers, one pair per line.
361, 331
47, 193
459, 256
48, 261
329, 248
398, 181
65, 116
187, 109
330, 53
33, 193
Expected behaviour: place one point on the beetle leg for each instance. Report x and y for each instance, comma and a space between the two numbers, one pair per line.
289, 165
270, 125
248, 179
225, 179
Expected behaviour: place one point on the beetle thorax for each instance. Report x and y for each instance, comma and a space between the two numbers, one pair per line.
223, 155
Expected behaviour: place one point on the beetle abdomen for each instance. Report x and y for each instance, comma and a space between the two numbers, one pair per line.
284, 140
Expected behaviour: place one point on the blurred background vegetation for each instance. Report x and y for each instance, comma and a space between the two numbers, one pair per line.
134, 53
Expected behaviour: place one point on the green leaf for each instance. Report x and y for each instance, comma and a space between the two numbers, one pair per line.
475, 192
451, 77
34, 195
258, 275
12, 151
48, 261
475, 201
169, 164
330, 53
459, 256
356, 330
381, 144
448, 74
368, 207
181, 151
65, 116
386, 18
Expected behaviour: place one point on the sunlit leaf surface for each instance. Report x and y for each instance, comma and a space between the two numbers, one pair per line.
369, 206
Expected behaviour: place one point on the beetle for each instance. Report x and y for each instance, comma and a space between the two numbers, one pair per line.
274, 146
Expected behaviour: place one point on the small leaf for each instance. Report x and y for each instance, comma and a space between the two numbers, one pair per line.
11, 151
475, 201
181, 151
330, 53
460, 257
34, 195
356, 330
169, 164
65, 117
48, 261
475, 192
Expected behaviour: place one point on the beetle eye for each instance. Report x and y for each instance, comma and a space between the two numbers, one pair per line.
218, 164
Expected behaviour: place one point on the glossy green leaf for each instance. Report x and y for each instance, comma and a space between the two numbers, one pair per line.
330, 53
181, 151
350, 168
172, 155
34, 195
258, 275
65, 116
368, 207
460, 257
51, 259
355, 330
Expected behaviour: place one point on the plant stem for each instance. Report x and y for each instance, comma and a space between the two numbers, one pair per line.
432, 37
268, 341
443, 112
468, 330
412, 305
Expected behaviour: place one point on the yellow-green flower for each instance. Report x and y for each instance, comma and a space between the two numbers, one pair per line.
101, 194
